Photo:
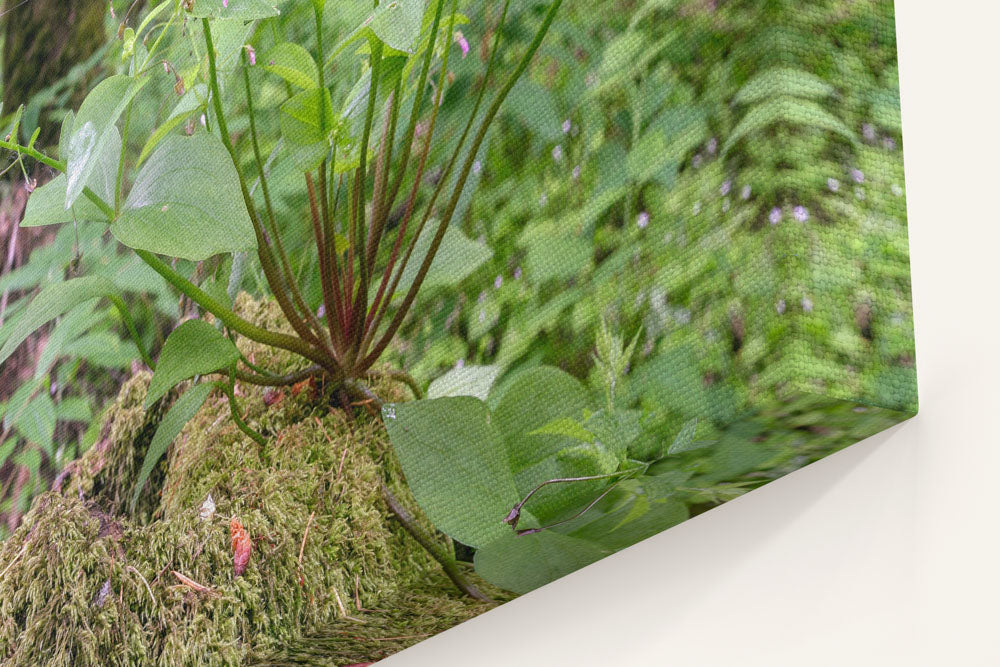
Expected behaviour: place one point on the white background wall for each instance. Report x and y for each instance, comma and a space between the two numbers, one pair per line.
887, 553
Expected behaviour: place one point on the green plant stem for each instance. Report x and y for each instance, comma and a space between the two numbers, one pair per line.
121, 158
234, 409
440, 554
282, 255
233, 321
400, 376
415, 111
278, 380
130, 325
263, 247
453, 203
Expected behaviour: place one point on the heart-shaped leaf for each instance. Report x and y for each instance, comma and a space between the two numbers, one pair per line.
193, 348
186, 202
247, 10
293, 64
455, 463
92, 126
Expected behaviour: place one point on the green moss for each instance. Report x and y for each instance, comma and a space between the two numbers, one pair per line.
84, 582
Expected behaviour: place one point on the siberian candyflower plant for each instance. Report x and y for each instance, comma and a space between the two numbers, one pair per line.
192, 200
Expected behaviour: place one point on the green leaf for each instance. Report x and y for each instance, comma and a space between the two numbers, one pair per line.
186, 202
180, 413
801, 113
307, 118
457, 258
247, 10
522, 564
395, 22
65, 133
293, 64
74, 409
193, 348
194, 99
783, 81
50, 303
565, 426
474, 381
455, 463
92, 127
685, 441
37, 422
47, 204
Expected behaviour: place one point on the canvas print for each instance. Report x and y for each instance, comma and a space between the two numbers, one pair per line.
327, 326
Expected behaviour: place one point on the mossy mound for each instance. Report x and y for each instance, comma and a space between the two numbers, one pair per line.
332, 578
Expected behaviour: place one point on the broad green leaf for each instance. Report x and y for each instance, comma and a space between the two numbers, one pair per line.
234, 9
535, 398
619, 525
523, 563
92, 126
457, 258
472, 381
307, 118
194, 99
50, 303
565, 426
65, 133
617, 430
37, 422
395, 22
180, 413
74, 409
797, 112
186, 202
193, 348
783, 81
685, 438
47, 204
454, 461
293, 64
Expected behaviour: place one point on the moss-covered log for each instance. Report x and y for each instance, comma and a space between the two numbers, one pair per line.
331, 580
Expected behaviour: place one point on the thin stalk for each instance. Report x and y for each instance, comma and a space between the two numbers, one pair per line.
417, 101
460, 184
440, 554
130, 325
265, 190
324, 270
400, 376
234, 409
379, 210
263, 247
121, 157
382, 300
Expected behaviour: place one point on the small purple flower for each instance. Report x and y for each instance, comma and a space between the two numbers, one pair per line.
745, 192
868, 131
498, 282
321, 311
225, 3
460, 363
576, 173
567, 126
477, 167
858, 175
725, 188
643, 221
801, 213
517, 273
462, 42
807, 304
780, 306
889, 144
251, 54
696, 161
833, 184
557, 153
775, 215
713, 145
